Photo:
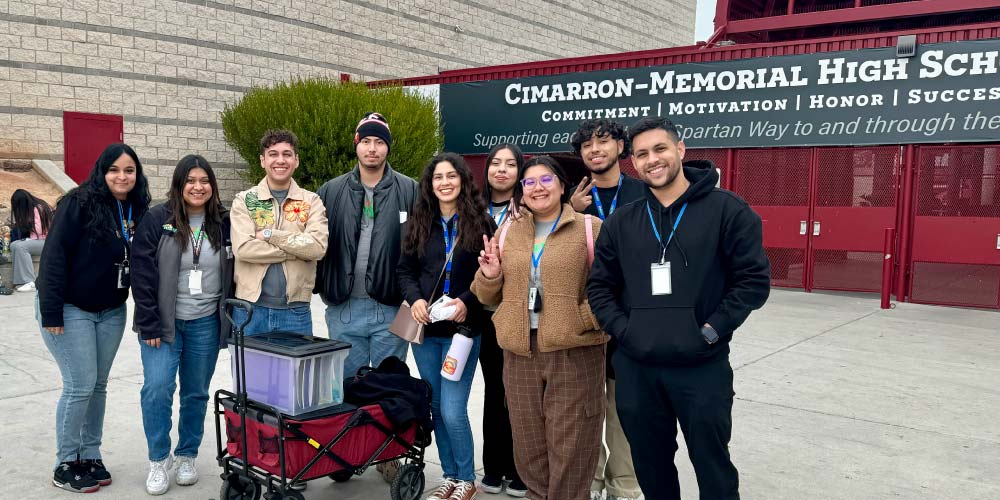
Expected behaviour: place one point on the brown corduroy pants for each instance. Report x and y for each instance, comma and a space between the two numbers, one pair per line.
556, 402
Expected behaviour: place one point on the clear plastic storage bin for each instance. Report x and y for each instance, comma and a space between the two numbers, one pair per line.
292, 372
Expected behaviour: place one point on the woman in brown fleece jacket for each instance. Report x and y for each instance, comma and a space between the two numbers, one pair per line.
553, 353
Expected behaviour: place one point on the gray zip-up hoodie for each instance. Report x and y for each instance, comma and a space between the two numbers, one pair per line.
156, 265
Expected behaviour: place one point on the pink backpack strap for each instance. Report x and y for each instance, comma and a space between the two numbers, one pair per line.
590, 239
503, 235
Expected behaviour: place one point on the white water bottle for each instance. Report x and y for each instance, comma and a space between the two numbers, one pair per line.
458, 355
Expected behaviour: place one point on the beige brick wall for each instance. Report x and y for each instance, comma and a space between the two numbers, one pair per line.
168, 67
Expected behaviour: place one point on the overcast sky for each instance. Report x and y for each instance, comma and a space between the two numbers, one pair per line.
703, 26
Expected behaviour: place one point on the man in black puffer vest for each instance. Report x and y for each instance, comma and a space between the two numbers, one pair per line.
366, 209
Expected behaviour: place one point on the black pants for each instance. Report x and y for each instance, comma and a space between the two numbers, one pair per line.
652, 400
498, 446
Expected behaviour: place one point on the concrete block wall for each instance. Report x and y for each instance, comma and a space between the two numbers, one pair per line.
170, 66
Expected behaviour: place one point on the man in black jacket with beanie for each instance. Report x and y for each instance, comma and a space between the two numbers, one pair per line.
367, 208
674, 275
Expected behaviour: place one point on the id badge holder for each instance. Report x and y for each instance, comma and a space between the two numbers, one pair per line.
659, 277
124, 279
532, 297
194, 282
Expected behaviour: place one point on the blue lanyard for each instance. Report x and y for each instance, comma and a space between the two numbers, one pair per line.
503, 214
449, 241
614, 201
656, 231
125, 226
537, 259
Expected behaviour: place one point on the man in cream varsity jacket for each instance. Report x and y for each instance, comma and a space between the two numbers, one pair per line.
279, 232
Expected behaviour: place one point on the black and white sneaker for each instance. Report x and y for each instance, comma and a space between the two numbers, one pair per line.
491, 484
71, 477
98, 471
516, 488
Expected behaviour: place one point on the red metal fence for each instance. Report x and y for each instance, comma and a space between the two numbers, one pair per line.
825, 212
955, 257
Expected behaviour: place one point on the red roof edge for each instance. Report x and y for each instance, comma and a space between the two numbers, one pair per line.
698, 53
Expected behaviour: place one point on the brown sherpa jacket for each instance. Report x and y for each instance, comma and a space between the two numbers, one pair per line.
565, 320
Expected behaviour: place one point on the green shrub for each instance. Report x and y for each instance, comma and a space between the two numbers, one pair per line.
323, 114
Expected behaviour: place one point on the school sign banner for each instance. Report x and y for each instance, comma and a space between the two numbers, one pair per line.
947, 92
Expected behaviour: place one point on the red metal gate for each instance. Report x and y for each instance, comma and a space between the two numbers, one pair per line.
719, 157
775, 182
85, 135
955, 257
824, 212
854, 201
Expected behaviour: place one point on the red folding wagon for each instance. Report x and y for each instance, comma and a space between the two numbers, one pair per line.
263, 451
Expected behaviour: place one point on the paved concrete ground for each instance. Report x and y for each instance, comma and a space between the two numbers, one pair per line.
836, 399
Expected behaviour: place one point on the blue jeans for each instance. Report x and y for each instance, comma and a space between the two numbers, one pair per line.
191, 356
450, 406
364, 323
84, 353
267, 320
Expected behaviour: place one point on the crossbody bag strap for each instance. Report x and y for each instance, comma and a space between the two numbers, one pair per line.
441, 275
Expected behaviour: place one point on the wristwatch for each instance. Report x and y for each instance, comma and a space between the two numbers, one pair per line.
267, 234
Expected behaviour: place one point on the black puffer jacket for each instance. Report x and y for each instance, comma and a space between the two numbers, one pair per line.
343, 198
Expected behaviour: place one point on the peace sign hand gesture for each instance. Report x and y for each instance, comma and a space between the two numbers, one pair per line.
581, 198
489, 258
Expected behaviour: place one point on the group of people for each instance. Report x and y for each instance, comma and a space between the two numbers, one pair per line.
539, 273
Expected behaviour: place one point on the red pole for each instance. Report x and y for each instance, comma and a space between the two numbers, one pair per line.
730, 168
887, 264
906, 221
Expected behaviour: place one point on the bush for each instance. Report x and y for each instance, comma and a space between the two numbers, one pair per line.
323, 114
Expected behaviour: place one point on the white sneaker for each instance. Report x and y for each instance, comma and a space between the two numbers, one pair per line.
27, 287
158, 480
596, 495
187, 473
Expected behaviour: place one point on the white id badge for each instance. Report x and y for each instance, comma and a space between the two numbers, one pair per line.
659, 276
402, 217
124, 279
532, 295
194, 282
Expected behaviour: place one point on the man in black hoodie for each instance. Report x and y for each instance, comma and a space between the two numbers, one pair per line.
674, 275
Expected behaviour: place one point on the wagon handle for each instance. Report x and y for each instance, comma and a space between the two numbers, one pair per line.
242, 304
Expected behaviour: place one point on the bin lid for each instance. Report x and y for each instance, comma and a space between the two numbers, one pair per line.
294, 345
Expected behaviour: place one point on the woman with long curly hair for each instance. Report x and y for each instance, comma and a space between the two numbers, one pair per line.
83, 284
31, 217
437, 265
184, 272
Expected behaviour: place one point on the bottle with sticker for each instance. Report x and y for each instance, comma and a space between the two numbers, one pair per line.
458, 354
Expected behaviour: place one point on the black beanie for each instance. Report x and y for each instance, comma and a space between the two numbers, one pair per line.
373, 124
